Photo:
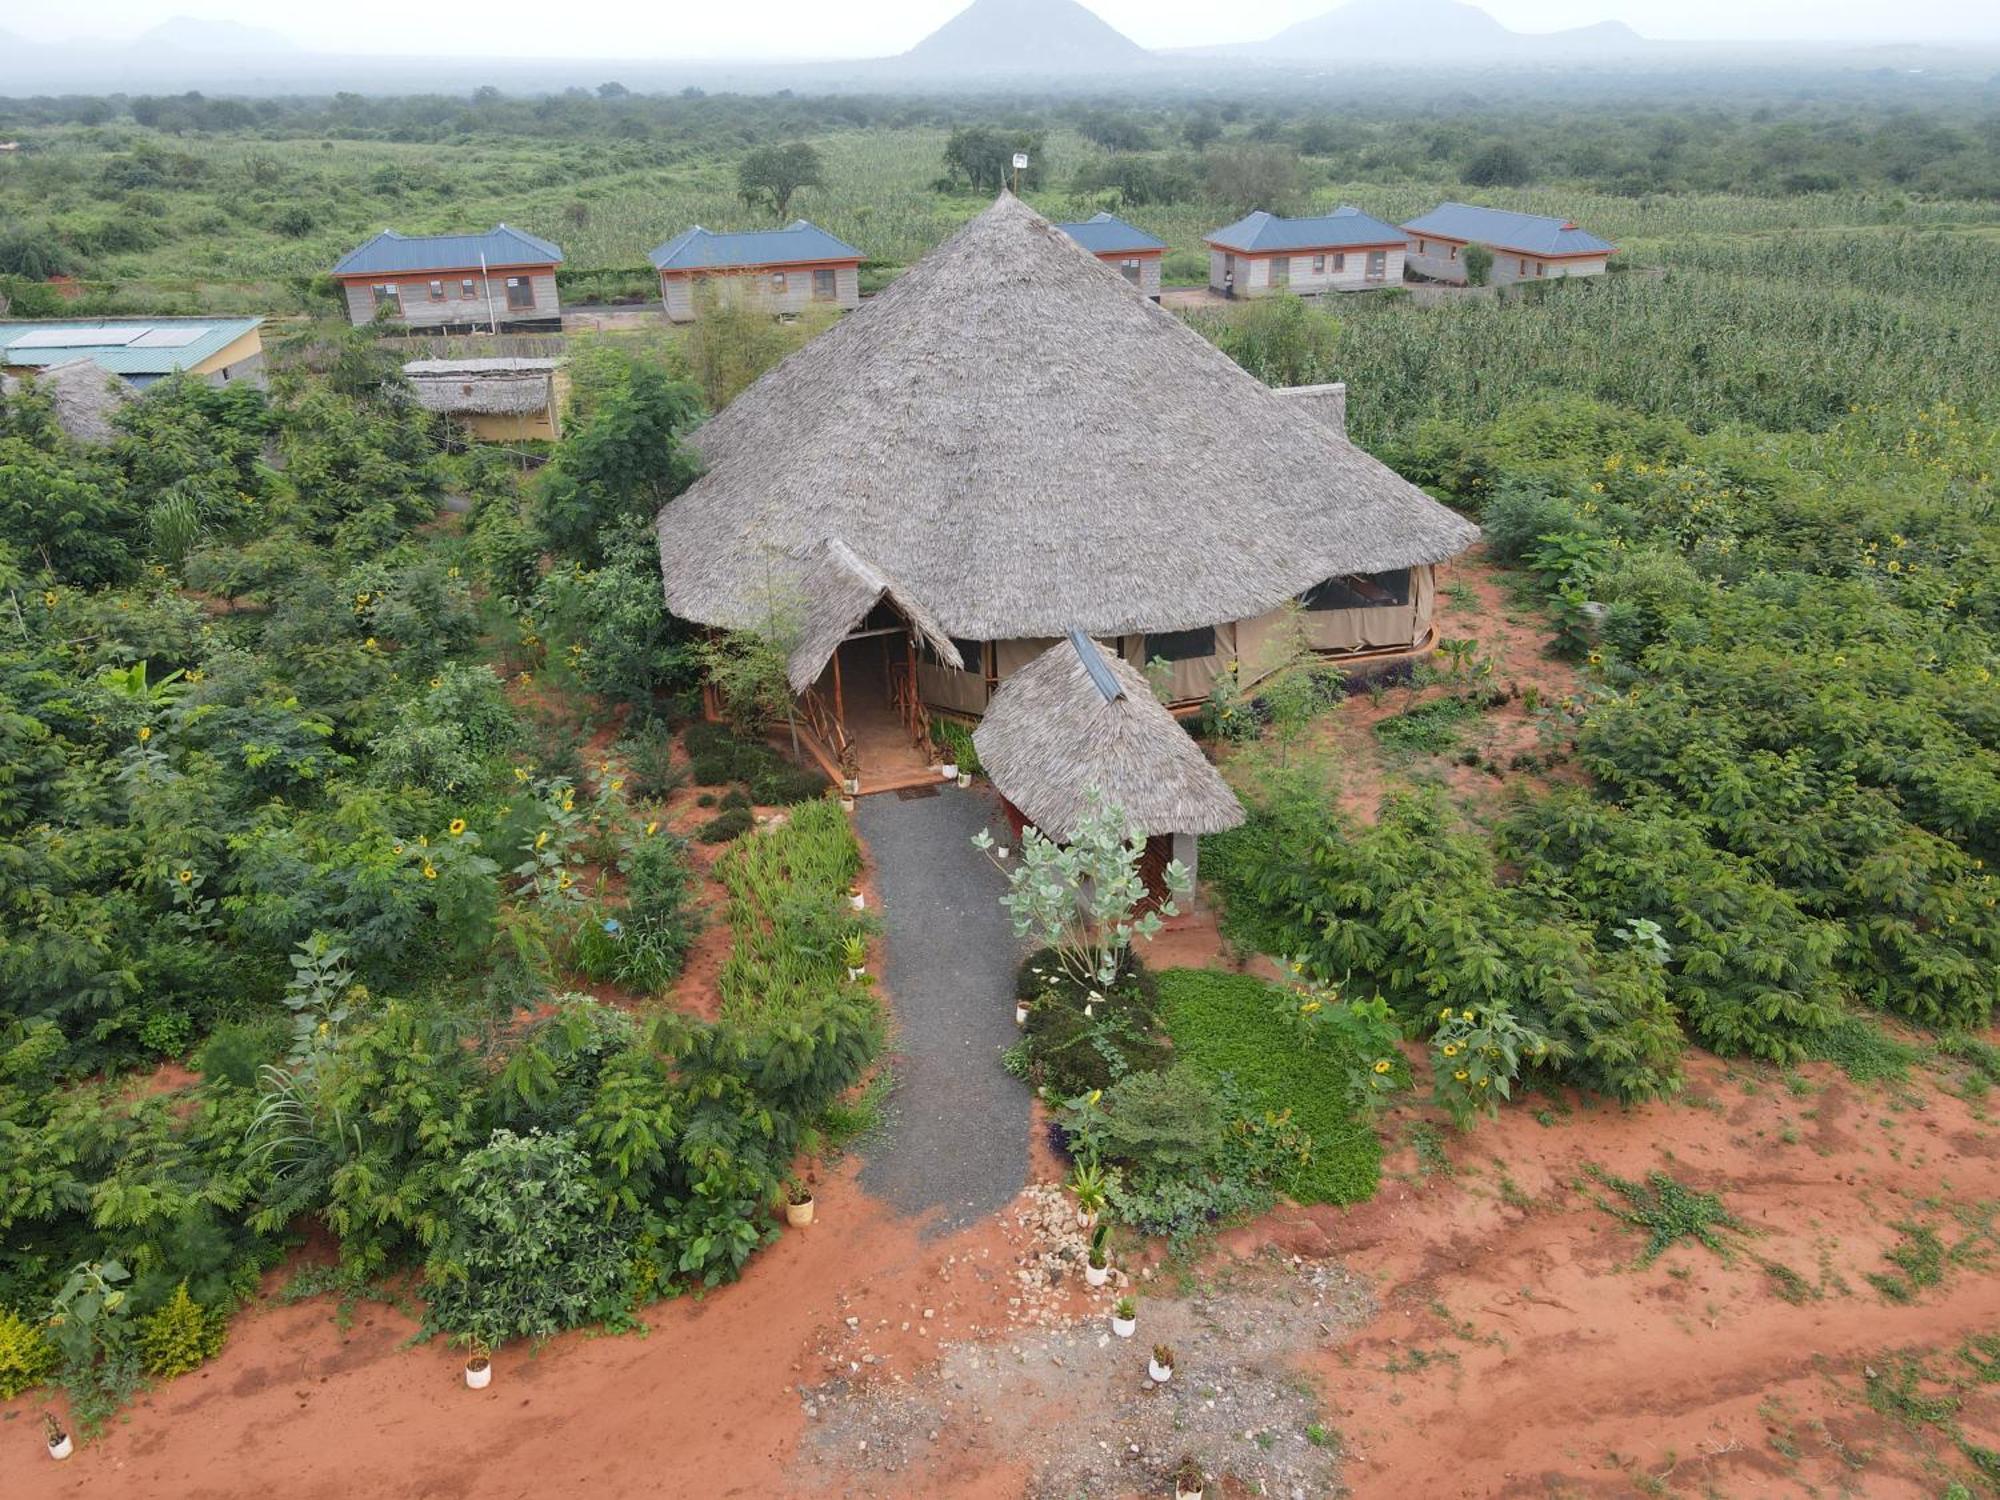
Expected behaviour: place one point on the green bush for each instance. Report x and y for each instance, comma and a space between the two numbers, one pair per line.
718, 756
180, 1335
1070, 1053
1232, 1028
27, 1358
730, 823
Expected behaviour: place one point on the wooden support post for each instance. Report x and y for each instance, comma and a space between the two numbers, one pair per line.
839, 704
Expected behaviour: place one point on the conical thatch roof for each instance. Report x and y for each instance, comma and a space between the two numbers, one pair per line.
836, 593
1027, 446
1077, 719
84, 395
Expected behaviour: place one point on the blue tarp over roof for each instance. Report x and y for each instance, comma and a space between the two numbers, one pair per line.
1107, 234
699, 249
1346, 226
1506, 230
502, 245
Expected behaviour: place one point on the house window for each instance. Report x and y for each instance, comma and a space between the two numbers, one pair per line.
1521, 266
824, 289
437, 291
1181, 645
465, 289
778, 282
520, 293
1129, 269
1281, 270
1454, 252
389, 295
1340, 262
1423, 247
973, 654
1378, 264
1319, 264
1360, 591
1540, 268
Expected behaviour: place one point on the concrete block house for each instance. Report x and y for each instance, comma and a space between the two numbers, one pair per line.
784, 271
139, 351
1344, 251
454, 283
1526, 247
1131, 252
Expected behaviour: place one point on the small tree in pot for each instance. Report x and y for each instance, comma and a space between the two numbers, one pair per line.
1161, 1366
1189, 1481
61, 1445
1125, 1318
1097, 1269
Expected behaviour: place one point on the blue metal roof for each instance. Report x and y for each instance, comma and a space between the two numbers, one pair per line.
1505, 230
699, 249
137, 348
1107, 234
1345, 227
502, 245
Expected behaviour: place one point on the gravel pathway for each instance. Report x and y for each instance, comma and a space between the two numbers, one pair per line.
958, 1138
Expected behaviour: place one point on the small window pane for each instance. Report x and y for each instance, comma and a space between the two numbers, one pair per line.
520, 292
465, 288
437, 291
1181, 645
824, 289
1361, 591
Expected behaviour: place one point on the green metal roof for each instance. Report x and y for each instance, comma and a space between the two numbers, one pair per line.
132, 347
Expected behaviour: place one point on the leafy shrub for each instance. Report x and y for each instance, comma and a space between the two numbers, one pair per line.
528, 1253
27, 1358
180, 1335
1429, 728
1071, 1053
717, 756
731, 823
955, 740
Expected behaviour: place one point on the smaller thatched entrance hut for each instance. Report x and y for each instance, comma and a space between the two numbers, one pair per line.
1078, 719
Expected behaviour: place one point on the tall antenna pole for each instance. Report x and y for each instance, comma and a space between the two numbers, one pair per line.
486, 282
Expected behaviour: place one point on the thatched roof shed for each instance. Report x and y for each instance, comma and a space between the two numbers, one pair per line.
1026, 448
84, 395
488, 387
836, 594
1078, 718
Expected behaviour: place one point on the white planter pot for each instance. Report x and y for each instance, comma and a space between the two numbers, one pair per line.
949, 771
847, 804
1020, 1015
1096, 1275
1124, 1327
854, 973
1181, 1494
1086, 1218
480, 1378
1160, 1373
798, 1215
965, 778
857, 900
62, 1450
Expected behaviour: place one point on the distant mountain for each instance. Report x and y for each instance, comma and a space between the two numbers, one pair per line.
1024, 36
1417, 30
196, 34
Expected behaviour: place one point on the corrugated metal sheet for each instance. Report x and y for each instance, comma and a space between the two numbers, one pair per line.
1506, 230
1107, 234
699, 249
131, 347
1344, 227
502, 245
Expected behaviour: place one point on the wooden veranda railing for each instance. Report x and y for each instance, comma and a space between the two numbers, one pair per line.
824, 723
909, 705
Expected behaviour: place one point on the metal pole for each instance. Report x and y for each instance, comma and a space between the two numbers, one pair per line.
486, 281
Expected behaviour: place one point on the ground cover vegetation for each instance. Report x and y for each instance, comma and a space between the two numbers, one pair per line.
305, 860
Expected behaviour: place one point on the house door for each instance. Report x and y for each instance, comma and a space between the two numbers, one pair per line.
1153, 862
1281, 270
1228, 272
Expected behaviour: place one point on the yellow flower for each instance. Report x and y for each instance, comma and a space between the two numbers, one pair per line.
1382, 1066
652, 827
430, 872
423, 841
617, 783
568, 803
1445, 1014
563, 882
1597, 658
369, 644
1311, 1007
185, 876
457, 827
541, 838
1465, 1015
1484, 1081
1840, 661
1095, 1095
1461, 1075
1451, 1049
520, 773
49, 598
397, 850
437, 682
145, 733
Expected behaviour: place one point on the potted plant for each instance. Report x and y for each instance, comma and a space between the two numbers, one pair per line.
854, 949
949, 770
1189, 1481
964, 776
850, 772
61, 1445
1088, 1183
478, 1367
855, 898
1097, 1268
1161, 1366
1125, 1318
798, 1203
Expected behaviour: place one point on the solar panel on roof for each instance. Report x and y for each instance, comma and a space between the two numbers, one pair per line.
78, 338
168, 338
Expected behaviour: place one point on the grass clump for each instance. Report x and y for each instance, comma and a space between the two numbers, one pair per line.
1863, 1051
1668, 1212
1431, 728
1225, 1025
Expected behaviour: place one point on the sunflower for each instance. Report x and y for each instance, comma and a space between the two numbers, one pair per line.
457, 827
1461, 1075
1451, 1049
185, 877
145, 733
430, 872
1382, 1066
652, 827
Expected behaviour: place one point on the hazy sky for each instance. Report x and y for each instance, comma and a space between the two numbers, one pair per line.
868, 28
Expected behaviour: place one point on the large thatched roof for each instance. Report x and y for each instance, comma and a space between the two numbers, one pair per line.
1027, 445
835, 595
1077, 719
83, 395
